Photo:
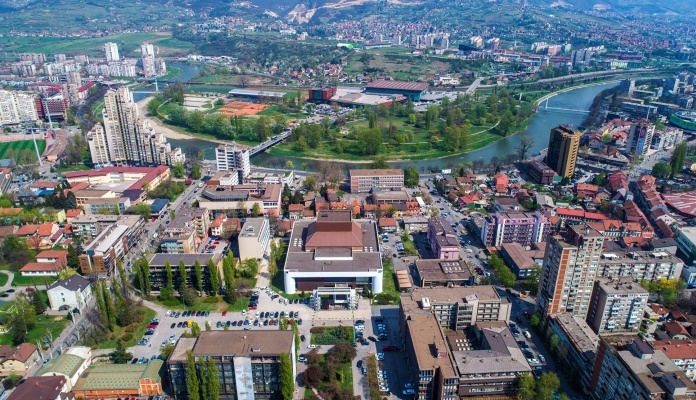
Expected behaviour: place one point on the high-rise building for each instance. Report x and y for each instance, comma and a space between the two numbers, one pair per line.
569, 271
111, 50
147, 49
16, 107
126, 138
149, 70
233, 157
562, 153
627, 86
640, 137
617, 306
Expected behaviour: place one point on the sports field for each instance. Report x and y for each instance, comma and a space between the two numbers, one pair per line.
21, 145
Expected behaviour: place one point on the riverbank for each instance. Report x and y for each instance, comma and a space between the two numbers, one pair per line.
167, 131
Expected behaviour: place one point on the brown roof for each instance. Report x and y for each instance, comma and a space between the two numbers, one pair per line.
39, 388
21, 353
295, 207
73, 213
52, 254
255, 343
7, 230
27, 230
46, 229
676, 349
675, 328
40, 266
387, 222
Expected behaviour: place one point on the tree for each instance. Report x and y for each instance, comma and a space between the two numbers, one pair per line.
213, 380
411, 176
249, 268
145, 273
526, 386
166, 350
677, 159
342, 352
169, 273
199, 276
214, 278
15, 252
379, 162
120, 355
289, 165
256, 210
526, 143
22, 320
188, 296
178, 170
66, 273
192, 382
547, 385
38, 302
287, 381
661, 170
195, 329
535, 320
143, 209
73, 258
196, 172
310, 182
182, 275
109, 303
312, 376
369, 141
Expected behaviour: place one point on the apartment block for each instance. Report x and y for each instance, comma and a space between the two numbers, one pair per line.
248, 362
514, 227
17, 107
640, 137
443, 239
254, 238
666, 138
126, 138
577, 344
364, 180
89, 226
617, 306
101, 255
113, 205
562, 153
445, 365
158, 269
681, 352
649, 265
458, 307
540, 172
627, 368
569, 271
233, 157
111, 51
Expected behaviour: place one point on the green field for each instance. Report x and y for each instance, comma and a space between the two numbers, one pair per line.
420, 148
128, 44
54, 324
20, 280
21, 145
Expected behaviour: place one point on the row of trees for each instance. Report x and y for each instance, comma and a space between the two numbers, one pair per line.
506, 276
676, 163
277, 255
202, 378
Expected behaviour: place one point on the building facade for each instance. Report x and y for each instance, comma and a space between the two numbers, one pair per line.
254, 238
364, 180
577, 344
333, 251
70, 293
233, 157
640, 137
442, 239
514, 227
569, 271
617, 306
562, 153
158, 269
111, 52
248, 362
17, 107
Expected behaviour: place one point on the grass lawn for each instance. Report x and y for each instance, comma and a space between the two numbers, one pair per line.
97, 107
20, 145
330, 335
138, 333
54, 323
274, 109
172, 72
3, 279
70, 168
346, 379
389, 280
207, 303
420, 148
20, 280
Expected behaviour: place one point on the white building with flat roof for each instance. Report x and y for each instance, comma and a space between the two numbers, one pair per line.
233, 156
254, 238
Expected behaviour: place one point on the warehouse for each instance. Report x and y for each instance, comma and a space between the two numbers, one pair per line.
412, 90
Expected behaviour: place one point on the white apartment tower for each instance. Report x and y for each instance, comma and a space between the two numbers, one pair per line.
111, 50
126, 138
16, 107
147, 49
233, 157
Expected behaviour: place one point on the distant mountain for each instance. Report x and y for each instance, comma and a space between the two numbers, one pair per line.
639, 6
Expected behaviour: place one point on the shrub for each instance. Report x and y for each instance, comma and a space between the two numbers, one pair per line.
127, 337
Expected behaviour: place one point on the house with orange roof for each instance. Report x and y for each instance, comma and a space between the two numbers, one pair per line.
27, 230
681, 352
387, 224
501, 182
676, 330
72, 213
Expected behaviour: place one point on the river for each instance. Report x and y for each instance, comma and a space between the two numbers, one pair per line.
538, 128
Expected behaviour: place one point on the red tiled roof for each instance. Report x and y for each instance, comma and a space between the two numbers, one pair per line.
53, 254
73, 213
674, 328
27, 230
46, 229
41, 267
22, 352
387, 222
676, 349
295, 207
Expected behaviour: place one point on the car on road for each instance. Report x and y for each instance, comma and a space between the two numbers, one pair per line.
303, 338
541, 358
409, 392
302, 358
224, 313
173, 325
372, 339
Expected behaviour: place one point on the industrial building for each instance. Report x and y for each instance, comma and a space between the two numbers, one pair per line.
412, 90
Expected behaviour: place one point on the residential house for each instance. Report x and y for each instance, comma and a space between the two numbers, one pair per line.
70, 293
295, 211
42, 388
18, 359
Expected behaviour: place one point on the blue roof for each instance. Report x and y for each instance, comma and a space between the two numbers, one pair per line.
158, 204
45, 192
